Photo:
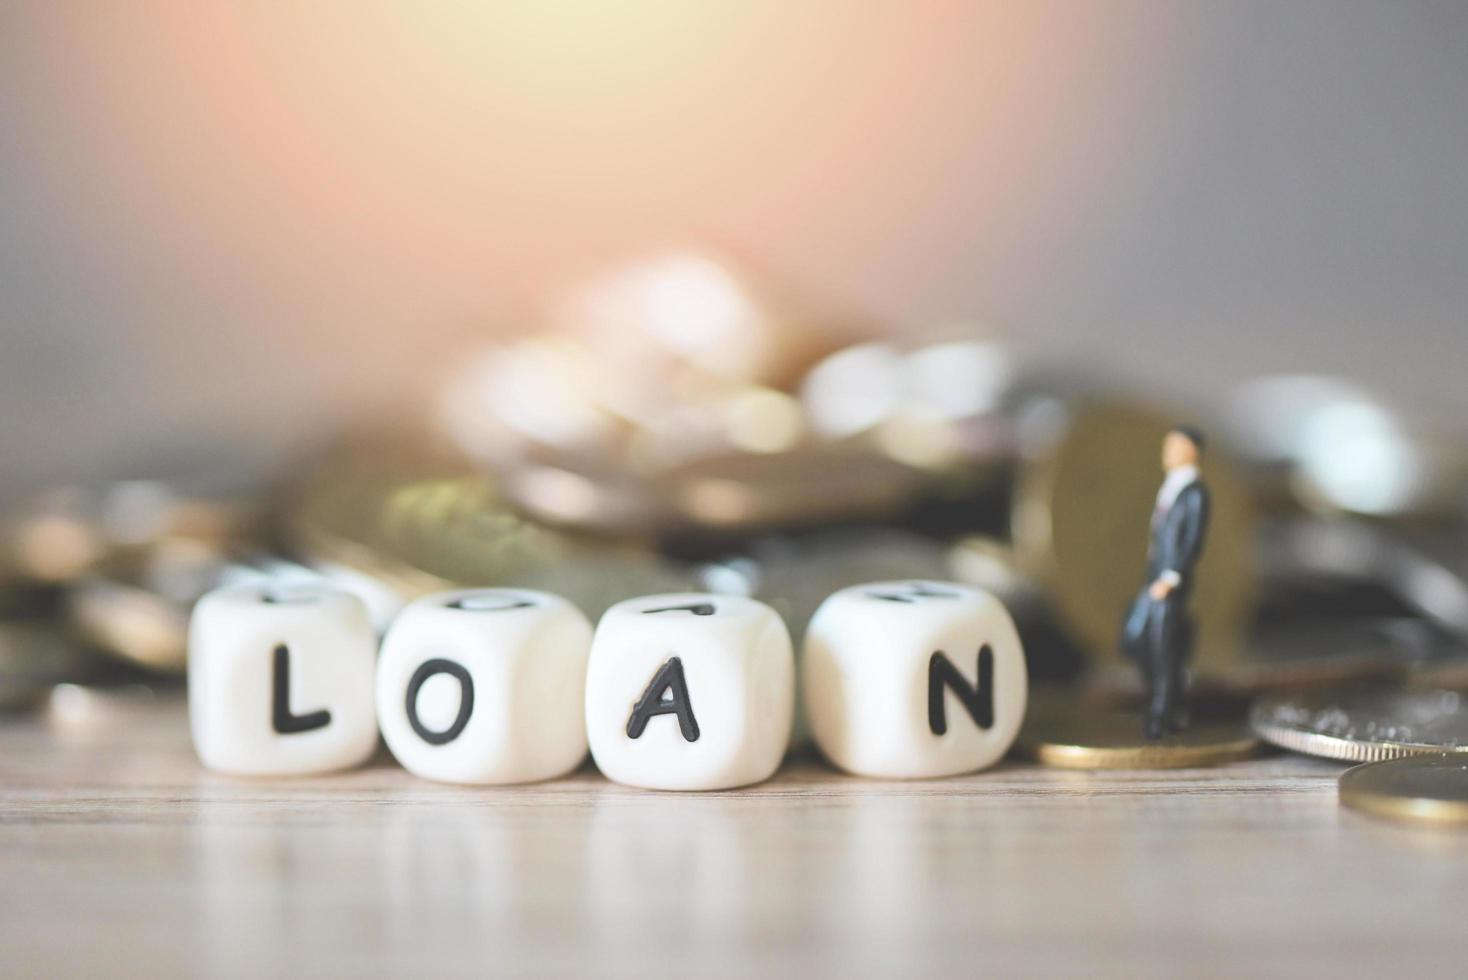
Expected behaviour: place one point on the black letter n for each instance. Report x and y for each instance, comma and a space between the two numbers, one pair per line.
977, 700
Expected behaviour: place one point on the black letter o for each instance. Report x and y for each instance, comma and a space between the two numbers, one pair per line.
466, 700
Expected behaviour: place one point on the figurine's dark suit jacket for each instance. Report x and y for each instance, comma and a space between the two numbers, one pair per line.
1159, 634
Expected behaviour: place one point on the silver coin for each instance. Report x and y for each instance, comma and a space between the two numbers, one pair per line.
1365, 725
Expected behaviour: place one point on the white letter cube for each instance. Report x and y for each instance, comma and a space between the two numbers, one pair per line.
280, 680
690, 692
485, 686
913, 679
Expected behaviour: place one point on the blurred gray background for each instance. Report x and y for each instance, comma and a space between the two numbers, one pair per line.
226, 230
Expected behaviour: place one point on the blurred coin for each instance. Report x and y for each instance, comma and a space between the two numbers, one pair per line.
130, 622
801, 488
741, 419
720, 495
430, 511
689, 308
1345, 450
652, 363
538, 393
1428, 575
461, 529
854, 390
1082, 504
1425, 788
602, 499
138, 610
1066, 733
934, 406
67, 532
54, 538
1364, 725
136, 604
550, 402
415, 526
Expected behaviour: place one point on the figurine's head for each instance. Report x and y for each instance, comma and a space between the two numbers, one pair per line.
1182, 447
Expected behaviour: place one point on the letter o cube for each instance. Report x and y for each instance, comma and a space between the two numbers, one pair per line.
913, 679
690, 692
485, 686
280, 680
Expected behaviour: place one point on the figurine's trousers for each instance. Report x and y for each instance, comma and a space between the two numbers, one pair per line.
1162, 654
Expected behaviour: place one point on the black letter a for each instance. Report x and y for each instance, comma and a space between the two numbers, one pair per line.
280, 712
978, 700
668, 678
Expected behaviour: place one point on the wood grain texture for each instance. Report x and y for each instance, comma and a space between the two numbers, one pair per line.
119, 855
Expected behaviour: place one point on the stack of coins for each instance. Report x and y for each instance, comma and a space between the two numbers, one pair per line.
663, 401
1410, 744
675, 410
98, 582
675, 424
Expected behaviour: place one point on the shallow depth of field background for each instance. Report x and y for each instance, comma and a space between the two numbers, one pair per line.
226, 228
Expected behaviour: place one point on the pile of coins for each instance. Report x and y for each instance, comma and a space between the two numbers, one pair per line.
96, 585
674, 425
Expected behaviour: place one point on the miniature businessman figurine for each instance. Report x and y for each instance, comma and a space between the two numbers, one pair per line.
1158, 633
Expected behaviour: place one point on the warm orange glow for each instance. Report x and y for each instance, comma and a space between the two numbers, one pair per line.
476, 149
341, 197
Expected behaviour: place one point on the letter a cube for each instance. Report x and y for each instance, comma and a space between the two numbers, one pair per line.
690, 692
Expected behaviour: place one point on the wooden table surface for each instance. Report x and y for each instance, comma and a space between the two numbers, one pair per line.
119, 855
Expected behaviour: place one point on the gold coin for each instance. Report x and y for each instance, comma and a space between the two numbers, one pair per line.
421, 527
1428, 788
1080, 521
433, 521
1081, 736
131, 622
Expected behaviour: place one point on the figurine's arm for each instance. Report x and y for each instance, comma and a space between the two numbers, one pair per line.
1187, 546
